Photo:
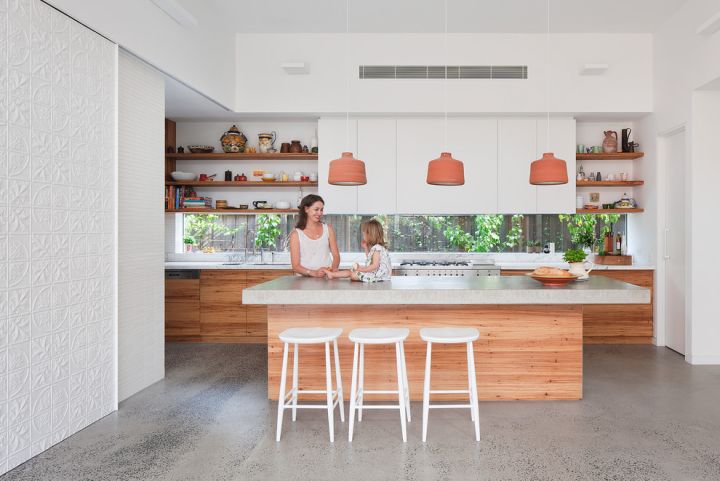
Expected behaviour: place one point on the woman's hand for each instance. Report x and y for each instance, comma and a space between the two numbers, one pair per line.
316, 273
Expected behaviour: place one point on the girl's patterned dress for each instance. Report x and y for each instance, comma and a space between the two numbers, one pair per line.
384, 270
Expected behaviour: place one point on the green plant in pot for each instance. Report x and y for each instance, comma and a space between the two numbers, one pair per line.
189, 242
576, 259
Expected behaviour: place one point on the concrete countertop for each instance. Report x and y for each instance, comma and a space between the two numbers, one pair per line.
444, 290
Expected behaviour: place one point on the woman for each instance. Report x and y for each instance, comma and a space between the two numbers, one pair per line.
313, 245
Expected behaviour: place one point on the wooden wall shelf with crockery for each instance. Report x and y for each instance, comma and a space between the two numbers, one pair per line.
241, 156
231, 211
610, 211
608, 183
246, 183
610, 156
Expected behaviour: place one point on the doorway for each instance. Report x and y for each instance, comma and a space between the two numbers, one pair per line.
675, 241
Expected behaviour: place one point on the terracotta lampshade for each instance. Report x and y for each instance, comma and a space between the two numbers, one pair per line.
347, 170
445, 171
549, 170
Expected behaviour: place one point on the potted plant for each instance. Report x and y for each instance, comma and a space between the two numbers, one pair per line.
189, 243
534, 247
576, 259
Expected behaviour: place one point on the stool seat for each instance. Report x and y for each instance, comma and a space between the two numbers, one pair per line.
449, 335
379, 335
310, 335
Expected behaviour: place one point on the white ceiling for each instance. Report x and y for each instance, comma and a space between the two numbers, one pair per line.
418, 16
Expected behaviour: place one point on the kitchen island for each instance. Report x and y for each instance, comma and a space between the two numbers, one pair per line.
530, 344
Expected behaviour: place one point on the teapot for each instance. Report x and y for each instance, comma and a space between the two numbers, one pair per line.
579, 269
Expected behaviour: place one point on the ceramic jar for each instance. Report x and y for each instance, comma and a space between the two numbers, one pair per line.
233, 141
295, 147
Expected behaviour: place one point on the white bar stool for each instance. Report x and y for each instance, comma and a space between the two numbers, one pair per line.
310, 335
451, 335
382, 335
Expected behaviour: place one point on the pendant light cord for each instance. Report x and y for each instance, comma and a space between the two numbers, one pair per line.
445, 55
347, 78
547, 79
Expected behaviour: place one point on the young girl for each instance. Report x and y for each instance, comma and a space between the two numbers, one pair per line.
378, 266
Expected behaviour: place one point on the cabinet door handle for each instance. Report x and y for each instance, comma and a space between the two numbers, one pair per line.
667, 250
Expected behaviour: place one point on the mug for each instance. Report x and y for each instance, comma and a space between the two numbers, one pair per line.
597, 149
285, 147
581, 148
297, 176
259, 204
203, 177
313, 177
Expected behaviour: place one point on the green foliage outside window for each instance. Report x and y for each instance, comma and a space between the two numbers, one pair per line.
267, 230
207, 229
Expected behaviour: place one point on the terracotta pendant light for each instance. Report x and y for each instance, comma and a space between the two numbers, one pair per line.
445, 170
548, 170
347, 170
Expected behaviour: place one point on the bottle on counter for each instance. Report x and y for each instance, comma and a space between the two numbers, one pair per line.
618, 244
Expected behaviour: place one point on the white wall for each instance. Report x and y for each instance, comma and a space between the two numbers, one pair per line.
683, 63
57, 229
201, 56
623, 88
141, 173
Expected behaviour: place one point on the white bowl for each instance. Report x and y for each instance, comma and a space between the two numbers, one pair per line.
282, 204
268, 176
183, 176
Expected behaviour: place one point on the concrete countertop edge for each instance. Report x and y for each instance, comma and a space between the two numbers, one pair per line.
503, 266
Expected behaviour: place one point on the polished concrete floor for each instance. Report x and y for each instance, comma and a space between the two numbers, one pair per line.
647, 415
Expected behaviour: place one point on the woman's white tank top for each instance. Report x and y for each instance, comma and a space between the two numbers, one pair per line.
315, 253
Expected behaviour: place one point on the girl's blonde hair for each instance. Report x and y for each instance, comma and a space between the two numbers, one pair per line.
373, 231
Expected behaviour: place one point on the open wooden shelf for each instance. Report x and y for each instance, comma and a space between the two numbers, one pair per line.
248, 183
608, 183
609, 211
243, 156
612, 156
231, 211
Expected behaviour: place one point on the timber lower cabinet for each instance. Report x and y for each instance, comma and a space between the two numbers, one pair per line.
210, 308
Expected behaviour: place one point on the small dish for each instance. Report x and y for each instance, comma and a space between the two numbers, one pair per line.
201, 149
183, 176
553, 281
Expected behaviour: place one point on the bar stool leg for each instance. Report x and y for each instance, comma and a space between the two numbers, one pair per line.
426, 391
281, 396
295, 382
328, 378
405, 382
361, 382
338, 382
401, 390
353, 393
473, 389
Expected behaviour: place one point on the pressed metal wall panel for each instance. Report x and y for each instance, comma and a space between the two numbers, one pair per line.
57, 228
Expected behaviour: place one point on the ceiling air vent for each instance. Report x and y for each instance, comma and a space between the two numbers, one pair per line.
399, 72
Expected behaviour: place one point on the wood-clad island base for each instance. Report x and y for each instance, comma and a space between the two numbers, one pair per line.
525, 352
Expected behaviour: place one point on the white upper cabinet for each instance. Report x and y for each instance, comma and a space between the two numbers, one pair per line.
418, 142
555, 199
517, 140
472, 141
377, 147
335, 136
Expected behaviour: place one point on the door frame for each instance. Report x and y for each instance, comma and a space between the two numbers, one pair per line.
663, 179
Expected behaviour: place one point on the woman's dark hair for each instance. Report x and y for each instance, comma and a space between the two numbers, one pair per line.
307, 201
